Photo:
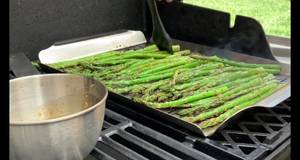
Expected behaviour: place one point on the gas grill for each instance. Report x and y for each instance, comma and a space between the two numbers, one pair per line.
135, 136
128, 133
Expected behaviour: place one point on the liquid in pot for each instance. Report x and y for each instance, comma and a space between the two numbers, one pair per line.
60, 107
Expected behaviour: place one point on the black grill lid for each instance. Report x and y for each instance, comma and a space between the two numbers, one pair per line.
47, 22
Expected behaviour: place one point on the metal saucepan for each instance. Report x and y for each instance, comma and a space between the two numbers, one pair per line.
55, 116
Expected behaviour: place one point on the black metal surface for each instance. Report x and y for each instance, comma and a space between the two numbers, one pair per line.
36, 25
128, 134
211, 27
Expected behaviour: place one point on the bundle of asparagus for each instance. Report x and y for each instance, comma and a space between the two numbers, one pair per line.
199, 89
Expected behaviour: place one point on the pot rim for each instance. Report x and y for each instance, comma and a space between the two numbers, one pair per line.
63, 118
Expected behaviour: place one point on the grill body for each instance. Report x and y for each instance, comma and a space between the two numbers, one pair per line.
127, 133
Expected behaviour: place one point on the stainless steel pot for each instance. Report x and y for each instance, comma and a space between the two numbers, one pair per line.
55, 116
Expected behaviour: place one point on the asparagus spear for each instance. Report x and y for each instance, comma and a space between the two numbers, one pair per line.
67, 63
268, 70
123, 57
239, 86
141, 80
156, 97
164, 97
219, 79
173, 69
183, 53
243, 88
214, 121
156, 85
101, 56
152, 47
140, 62
205, 69
175, 48
153, 63
230, 104
123, 73
206, 79
179, 102
165, 66
219, 82
126, 90
235, 63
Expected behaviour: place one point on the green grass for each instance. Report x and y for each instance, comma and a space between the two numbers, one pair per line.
274, 15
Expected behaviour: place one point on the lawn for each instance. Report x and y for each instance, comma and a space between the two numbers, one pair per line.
274, 15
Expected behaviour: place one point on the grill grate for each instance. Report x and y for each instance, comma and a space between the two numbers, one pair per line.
128, 134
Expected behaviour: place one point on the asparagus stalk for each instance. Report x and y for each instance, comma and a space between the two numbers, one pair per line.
219, 110
70, 63
179, 102
173, 69
141, 80
268, 70
243, 88
183, 53
126, 90
140, 62
165, 66
218, 82
205, 69
124, 73
155, 86
164, 97
123, 57
235, 63
153, 63
101, 57
219, 79
152, 47
201, 82
175, 48
214, 121
108, 69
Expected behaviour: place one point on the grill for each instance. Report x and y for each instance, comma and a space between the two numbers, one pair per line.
129, 134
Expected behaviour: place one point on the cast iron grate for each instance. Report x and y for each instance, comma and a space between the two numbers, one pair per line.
128, 134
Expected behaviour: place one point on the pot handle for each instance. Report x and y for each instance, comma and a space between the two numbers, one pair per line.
20, 65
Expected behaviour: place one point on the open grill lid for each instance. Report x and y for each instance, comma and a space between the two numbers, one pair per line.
47, 22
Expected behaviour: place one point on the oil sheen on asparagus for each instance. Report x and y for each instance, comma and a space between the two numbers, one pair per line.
199, 89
